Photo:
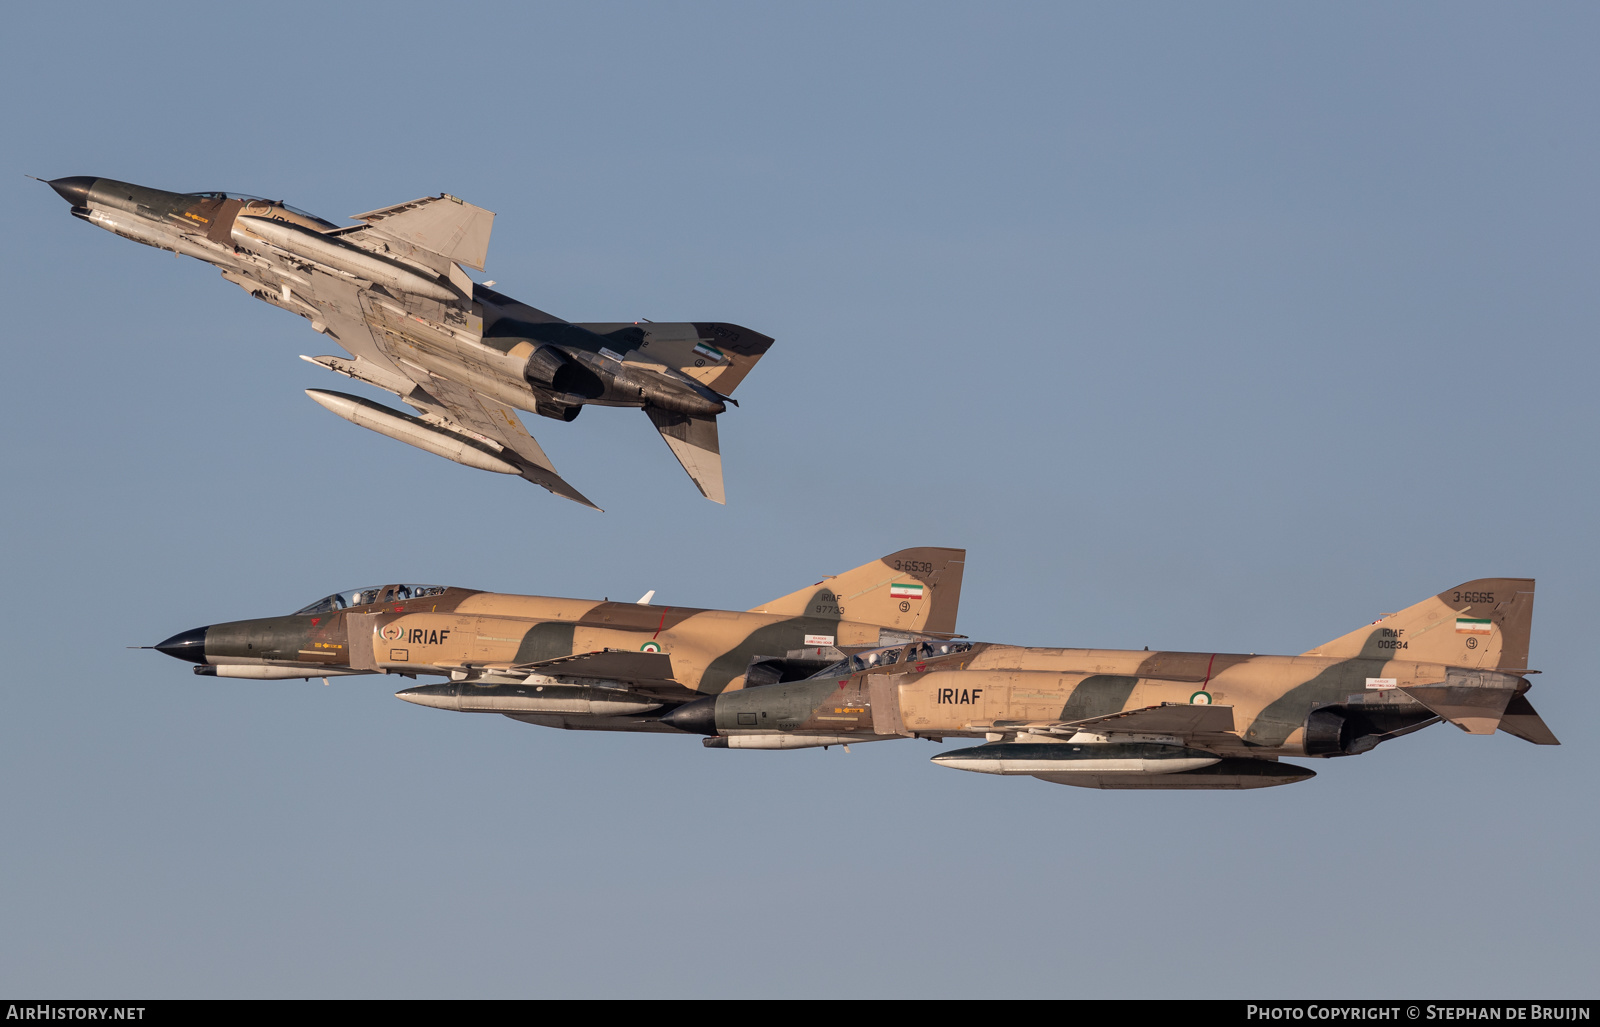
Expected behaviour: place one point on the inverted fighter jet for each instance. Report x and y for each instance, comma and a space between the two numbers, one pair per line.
393, 292
872, 655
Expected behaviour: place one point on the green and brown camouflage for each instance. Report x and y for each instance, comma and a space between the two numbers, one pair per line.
1139, 719
872, 655
393, 291
490, 645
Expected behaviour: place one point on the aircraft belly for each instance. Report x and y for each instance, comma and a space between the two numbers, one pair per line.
431, 362
341, 304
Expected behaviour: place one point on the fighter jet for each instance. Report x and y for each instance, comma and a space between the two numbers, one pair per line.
578, 663
872, 655
1106, 718
393, 293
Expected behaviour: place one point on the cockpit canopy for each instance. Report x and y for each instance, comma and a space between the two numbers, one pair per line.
368, 596
253, 200
887, 655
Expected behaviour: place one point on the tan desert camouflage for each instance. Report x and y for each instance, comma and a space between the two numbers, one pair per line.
1107, 718
872, 655
579, 663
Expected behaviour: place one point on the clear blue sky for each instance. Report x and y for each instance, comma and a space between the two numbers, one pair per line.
1215, 327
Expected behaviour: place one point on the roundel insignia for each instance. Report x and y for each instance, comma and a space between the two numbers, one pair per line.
650, 647
391, 632
1201, 698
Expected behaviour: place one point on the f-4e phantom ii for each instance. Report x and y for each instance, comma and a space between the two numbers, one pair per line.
872, 655
1103, 718
578, 663
393, 292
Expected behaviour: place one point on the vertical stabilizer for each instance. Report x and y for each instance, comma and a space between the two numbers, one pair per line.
1483, 624
914, 590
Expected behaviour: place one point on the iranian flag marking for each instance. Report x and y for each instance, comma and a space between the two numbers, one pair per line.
899, 591
710, 352
1474, 626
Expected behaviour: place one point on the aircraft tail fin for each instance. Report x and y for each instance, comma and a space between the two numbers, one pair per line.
693, 440
722, 354
914, 590
1483, 624
715, 354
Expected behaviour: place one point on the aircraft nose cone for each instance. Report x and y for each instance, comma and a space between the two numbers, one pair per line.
74, 190
189, 645
698, 717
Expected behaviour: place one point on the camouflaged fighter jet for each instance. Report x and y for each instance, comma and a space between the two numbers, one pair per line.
872, 655
1103, 718
393, 293
577, 663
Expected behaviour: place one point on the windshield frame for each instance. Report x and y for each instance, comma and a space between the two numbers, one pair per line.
891, 655
351, 598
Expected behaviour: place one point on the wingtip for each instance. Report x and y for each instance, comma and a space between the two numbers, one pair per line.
577, 497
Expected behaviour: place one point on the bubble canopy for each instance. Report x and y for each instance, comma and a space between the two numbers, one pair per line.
217, 195
367, 596
886, 655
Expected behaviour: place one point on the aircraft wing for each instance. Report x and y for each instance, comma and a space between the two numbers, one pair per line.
380, 339
443, 225
498, 423
616, 664
650, 673
1170, 718
398, 340
1183, 720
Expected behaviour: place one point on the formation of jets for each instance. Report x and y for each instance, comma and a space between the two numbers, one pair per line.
870, 654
